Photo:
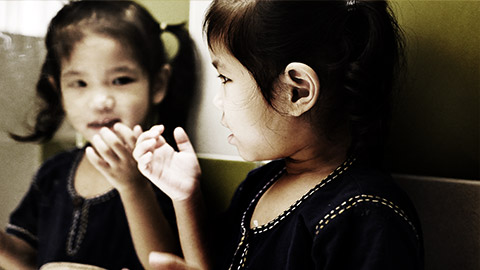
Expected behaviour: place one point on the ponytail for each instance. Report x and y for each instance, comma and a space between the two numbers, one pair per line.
373, 65
173, 111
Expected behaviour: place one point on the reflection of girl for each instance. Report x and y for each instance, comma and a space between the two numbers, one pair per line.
107, 72
306, 84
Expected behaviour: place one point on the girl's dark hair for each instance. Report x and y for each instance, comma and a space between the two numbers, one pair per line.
355, 47
134, 27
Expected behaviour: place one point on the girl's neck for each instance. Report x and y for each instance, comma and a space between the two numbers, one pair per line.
88, 181
316, 158
305, 169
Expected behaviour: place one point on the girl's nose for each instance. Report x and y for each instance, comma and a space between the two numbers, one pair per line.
103, 102
217, 101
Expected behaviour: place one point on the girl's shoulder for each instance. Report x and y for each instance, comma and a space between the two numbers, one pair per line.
57, 166
364, 199
373, 223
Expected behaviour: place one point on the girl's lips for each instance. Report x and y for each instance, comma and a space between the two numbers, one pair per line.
104, 123
230, 138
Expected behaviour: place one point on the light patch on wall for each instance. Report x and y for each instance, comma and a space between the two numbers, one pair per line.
27, 17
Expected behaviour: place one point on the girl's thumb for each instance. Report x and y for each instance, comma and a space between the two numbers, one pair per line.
182, 140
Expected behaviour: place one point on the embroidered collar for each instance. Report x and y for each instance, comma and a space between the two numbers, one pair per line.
265, 227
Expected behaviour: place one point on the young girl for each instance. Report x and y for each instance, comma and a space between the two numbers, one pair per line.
107, 72
306, 84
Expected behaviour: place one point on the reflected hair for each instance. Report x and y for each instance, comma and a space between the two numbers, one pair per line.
134, 27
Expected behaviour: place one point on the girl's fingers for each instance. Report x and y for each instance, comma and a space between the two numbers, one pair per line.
148, 142
182, 140
144, 147
104, 151
126, 135
137, 131
160, 142
159, 128
153, 131
115, 149
95, 159
144, 162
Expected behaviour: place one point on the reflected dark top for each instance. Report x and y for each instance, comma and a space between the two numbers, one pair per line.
66, 227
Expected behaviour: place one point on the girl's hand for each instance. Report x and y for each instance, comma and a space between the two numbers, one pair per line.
111, 154
175, 173
166, 261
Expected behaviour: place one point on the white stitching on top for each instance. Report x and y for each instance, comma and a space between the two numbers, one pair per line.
22, 230
352, 201
338, 171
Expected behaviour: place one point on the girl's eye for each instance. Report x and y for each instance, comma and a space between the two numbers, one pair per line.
223, 79
77, 84
123, 80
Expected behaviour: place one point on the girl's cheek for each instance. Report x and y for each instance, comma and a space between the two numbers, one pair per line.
218, 101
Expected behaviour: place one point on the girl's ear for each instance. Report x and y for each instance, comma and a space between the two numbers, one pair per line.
52, 82
160, 84
303, 88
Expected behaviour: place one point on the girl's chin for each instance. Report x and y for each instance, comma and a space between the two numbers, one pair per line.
247, 156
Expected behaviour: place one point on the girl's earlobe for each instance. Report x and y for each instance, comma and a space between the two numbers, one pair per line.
161, 84
304, 88
52, 82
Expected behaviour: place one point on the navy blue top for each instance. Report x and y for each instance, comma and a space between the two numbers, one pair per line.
63, 226
356, 218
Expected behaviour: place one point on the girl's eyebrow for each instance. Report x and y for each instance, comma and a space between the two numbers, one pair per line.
127, 69
70, 73
124, 70
219, 65
215, 63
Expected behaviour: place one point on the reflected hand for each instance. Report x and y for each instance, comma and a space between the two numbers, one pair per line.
111, 155
175, 173
167, 261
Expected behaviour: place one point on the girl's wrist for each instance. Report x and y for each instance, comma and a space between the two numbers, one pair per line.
189, 200
135, 189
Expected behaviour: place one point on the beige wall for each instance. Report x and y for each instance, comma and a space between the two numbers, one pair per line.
19, 69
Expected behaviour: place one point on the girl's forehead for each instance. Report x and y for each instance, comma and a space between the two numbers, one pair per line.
102, 47
222, 58
93, 40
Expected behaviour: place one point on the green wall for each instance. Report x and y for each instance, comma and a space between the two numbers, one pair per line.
170, 12
436, 122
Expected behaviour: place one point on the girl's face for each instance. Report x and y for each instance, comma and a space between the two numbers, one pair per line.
258, 131
101, 85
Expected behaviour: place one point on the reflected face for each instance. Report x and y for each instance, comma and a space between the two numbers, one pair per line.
102, 84
256, 128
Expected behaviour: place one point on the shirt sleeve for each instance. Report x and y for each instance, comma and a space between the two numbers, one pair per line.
367, 235
23, 220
